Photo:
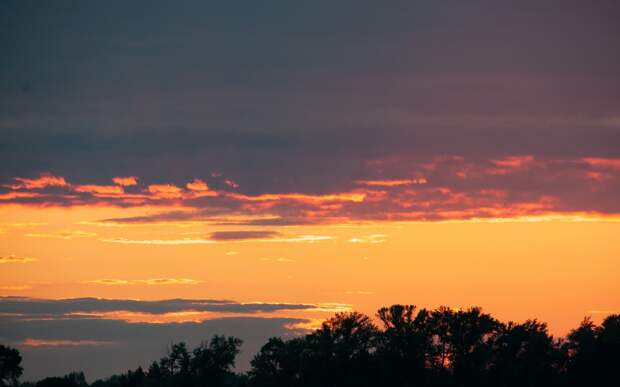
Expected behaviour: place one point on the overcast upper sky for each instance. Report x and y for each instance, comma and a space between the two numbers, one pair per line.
271, 91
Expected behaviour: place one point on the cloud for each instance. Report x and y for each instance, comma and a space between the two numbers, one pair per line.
197, 185
58, 346
44, 180
279, 260
224, 237
125, 181
15, 259
242, 235
199, 188
110, 282
46, 308
101, 189
165, 191
185, 241
29, 342
373, 238
65, 234
16, 288
611, 163
150, 281
391, 183
231, 183
454, 188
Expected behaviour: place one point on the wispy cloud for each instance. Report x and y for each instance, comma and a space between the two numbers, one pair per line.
100, 189
46, 308
243, 235
279, 260
226, 237
372, 238
185, 241
65, 234
63, 343
16, 259
150, 281
391, 182
44, 180
16, 288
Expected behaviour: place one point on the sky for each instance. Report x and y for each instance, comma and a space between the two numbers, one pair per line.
170, 171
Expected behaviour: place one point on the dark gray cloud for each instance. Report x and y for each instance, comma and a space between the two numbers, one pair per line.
124, 345
54, 338
243, 235
44, 307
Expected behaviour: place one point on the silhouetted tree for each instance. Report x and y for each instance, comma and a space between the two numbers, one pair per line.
403, 345
340, 351
177, 361
214, 361
280, 363
525, 355
594, 353
461, 341
439, 348
10, 368
73, 379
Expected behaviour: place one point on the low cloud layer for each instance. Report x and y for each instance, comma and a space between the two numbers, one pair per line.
59, 336
43, 307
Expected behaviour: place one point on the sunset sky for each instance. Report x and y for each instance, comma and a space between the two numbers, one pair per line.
170, 171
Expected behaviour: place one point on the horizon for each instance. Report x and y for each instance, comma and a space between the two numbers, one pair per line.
184, 171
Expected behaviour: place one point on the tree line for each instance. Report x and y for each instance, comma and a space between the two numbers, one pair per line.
406, 347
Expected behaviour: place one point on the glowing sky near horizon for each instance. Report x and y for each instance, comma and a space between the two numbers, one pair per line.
172, 172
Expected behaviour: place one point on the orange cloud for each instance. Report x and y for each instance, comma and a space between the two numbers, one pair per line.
494, 188
199, 188
373, 238
510, 164
65, 234
44, 180
165, 191
197, 185
150, 281
100, 189
19, 195
307, 198
513, 161
171, 242
15, 259
603, 162
391, 183
126, 181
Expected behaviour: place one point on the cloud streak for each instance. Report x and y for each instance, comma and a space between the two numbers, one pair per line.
46, 308
150, 281
15, 259
243, 235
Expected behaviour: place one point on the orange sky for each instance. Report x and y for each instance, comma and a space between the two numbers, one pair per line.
555, 270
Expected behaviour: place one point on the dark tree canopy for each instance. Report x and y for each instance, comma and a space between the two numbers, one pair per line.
10, 369
407, 347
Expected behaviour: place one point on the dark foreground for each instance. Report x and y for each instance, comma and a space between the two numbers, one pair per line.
442, 347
